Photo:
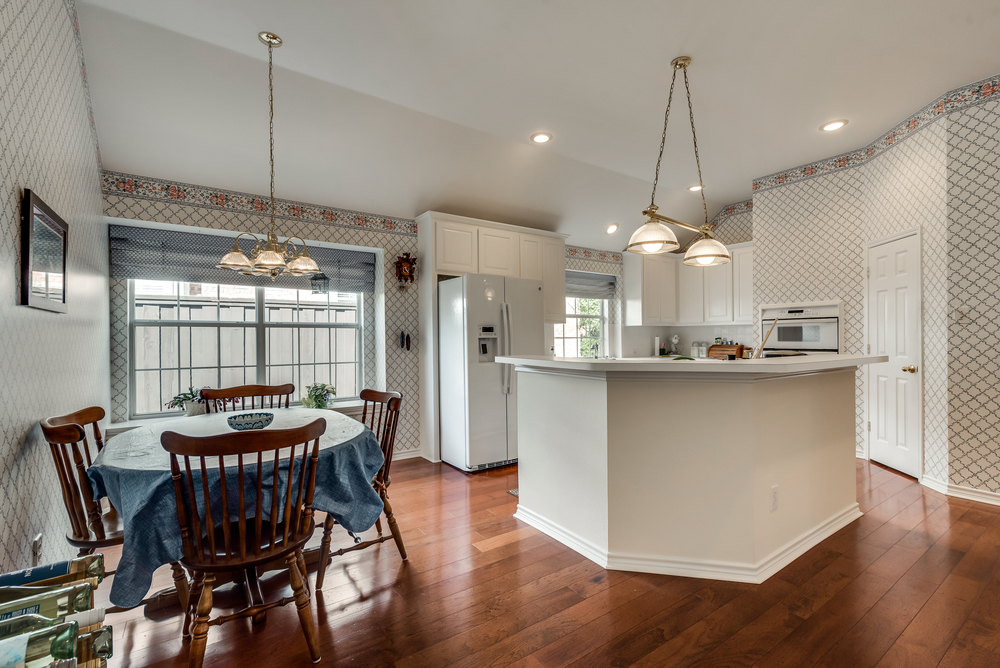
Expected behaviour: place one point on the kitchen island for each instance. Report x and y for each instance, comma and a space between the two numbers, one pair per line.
724, 470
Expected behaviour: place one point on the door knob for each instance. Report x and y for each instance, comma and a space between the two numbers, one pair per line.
910, 369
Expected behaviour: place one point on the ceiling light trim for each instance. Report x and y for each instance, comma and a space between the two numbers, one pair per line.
965, 97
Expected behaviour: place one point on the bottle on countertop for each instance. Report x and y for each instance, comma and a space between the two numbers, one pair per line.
703, 349
694, 349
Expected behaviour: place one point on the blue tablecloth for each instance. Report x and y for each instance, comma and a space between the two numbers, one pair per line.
133, 471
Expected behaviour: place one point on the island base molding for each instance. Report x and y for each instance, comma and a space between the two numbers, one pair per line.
693, 568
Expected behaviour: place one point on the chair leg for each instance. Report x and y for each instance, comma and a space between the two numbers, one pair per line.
194, 596
199, 637
302, 603
301, 563
378, 526
393, 527
181, 584
324, 551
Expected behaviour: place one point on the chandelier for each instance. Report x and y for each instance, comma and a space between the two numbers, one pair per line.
654, 236
270, 258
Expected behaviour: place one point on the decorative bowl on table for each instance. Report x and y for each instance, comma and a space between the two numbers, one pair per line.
247, 421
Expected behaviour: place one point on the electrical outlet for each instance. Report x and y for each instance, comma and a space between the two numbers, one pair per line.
36, 550
774, 498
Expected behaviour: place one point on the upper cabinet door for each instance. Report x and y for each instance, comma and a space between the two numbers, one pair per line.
668, 289
690, 294
719, 293
743, 284
554, 278
499, 252
531, 256
457, 248
652, 288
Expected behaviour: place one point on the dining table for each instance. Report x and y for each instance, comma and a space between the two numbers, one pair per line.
133, 472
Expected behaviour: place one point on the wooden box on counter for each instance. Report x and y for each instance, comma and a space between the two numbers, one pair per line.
723, 352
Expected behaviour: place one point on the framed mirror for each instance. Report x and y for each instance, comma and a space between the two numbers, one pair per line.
44, 245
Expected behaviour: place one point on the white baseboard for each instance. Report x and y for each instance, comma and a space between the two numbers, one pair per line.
585, 547
694, 568
962, 492
405, 454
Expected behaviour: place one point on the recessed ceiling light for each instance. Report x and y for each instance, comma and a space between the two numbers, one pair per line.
833, 125
541, 137
694, 189
612, 228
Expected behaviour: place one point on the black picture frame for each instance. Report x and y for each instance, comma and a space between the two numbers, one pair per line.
44, 247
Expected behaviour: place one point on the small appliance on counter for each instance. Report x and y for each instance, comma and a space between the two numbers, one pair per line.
725, 352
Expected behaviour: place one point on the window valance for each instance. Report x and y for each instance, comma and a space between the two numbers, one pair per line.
169, 255
589, 285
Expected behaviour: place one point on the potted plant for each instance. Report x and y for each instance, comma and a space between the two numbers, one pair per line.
190, 401
317, 395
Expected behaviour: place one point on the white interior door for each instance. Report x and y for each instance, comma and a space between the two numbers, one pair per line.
895, 387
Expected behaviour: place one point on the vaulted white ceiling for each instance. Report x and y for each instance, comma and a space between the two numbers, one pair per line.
404, 106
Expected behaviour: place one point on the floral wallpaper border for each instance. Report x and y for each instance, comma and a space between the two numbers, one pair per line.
591, 254
960, 98
175, 192
746, 206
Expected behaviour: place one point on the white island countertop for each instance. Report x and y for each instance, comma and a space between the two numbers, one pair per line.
781, 366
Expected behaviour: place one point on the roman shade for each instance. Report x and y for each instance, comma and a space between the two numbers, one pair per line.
590, 285
167, 255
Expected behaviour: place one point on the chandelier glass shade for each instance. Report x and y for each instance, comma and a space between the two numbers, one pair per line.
706, 253
270, 258
654, 236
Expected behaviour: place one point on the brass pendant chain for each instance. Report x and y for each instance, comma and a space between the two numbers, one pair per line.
270, 103
663, 139
694, 136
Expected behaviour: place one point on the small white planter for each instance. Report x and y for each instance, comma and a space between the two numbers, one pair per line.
194, 408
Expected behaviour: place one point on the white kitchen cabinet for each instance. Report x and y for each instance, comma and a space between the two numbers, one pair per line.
690, 294
456, 248
554, 279
718, 293
499, 252
650, 289
743, 283
531, 256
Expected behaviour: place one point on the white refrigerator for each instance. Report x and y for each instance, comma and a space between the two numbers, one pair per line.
479, 318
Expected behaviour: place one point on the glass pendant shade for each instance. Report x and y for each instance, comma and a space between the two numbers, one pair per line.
653, 237
302, 265
706, 253
234, 259
269, 259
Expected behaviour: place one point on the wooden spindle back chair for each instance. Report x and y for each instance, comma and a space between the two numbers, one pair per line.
87, 417
233, 533
380, 414
90, 526
247, 397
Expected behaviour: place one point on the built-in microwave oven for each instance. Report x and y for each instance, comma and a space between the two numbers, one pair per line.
813, 327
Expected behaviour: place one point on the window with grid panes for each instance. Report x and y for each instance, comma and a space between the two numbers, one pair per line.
205, 335
585, 327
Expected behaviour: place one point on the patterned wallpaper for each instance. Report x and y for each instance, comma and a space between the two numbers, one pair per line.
732, 225
52, 363
973, 245
141, 198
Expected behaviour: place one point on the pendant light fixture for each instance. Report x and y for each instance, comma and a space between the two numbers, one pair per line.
654, 236
270, 258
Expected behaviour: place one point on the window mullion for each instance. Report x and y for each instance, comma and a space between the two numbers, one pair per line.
261, 336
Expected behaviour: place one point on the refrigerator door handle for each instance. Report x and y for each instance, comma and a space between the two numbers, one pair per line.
507, 346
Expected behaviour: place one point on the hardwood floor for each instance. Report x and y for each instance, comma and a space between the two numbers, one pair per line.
915, 582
